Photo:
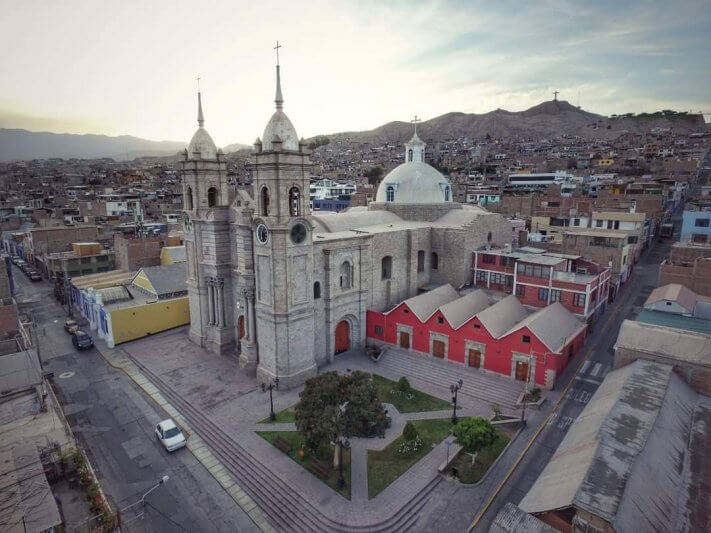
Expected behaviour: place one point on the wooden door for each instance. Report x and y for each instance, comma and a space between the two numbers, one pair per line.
521, 370
240, 322
438, 349
474, 358
405, 340
343, 336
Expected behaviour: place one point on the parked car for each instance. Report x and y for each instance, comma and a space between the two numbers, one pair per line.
82, 340
35, 276
170, 435
70, 326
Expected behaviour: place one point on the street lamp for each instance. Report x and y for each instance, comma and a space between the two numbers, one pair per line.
343, 442
272, 385
154, 487
455, 389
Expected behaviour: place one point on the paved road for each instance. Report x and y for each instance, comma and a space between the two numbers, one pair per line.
593, 371
114, 422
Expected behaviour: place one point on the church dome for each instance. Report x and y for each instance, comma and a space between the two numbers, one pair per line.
280, 128
202, 146
414, 182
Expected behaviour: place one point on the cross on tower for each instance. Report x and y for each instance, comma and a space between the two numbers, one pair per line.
415, 121
555, 95
277, 51
198, 82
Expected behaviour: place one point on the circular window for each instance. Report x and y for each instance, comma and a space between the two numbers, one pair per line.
298, 233
262, 233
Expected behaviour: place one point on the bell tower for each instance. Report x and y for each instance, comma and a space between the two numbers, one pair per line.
206, 225
283, 252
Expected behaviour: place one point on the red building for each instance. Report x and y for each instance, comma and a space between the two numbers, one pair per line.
472, 330
540, 278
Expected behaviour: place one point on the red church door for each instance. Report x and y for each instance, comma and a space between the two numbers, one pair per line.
240, 322
343, 336
522, 370
474, 358
438, 349
404, 340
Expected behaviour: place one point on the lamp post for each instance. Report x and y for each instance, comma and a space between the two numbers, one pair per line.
154, 487
455, 389
343, 442
272, 385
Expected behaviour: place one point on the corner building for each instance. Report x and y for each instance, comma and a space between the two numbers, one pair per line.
286, 290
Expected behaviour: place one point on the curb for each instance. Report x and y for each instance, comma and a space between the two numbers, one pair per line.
195, 444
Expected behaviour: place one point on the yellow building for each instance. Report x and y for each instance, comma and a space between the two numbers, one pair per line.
172, 254
154, 300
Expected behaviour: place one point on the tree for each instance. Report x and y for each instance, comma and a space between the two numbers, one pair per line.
474, 433
332, 405
409, 433
373, 174
403, 385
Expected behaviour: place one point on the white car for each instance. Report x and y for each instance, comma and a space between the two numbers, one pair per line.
170, 435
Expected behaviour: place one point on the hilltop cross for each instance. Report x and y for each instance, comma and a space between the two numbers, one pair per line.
555, 95
277, 51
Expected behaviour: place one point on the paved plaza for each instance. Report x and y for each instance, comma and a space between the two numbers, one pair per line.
217, 388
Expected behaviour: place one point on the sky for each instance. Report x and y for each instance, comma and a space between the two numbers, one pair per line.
131, 67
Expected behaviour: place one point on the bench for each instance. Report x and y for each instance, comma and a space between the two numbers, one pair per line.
318, 468
282, 444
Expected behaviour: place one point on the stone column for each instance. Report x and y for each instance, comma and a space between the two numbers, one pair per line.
221, 302
250, 311
247, 318
211, 300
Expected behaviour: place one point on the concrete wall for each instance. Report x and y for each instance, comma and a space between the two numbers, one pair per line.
696, 276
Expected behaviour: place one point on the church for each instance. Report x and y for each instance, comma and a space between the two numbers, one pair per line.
286, 290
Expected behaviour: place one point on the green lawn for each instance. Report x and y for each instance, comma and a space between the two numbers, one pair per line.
471, 473
387, 465
296, 442
415, 402
286, 415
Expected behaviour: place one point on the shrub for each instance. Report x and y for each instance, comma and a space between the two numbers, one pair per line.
403, 385
535, 394
409, 433
497, 411
474, 433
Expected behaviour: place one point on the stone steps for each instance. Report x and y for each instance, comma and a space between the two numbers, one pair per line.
280, 502
477, 384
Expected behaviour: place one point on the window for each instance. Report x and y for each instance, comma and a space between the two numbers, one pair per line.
488, 259
526, 339
508, 261
543, 295
536, 271
446, 193
668, 303
346, 275
702, 222
386, 267
189, 199
440, 320
501, 279
294, 202
555, 295
480, 275
477, 326
435, 261
598, 223
409, 154
379, 331
698, 237
390, 194
579, 300
632, 239
421, 261
211, 197
520, 290
576, 222
264, 202
317, 290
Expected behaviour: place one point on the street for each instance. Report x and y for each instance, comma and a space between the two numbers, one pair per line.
114, 422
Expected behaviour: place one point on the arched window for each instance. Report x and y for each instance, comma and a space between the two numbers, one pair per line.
317, 290
488, 237
390, 194
409, 154
189, 199
294, 202
346, 275
386, 267
435, 261
446, 193
264, 202
422, 156
211, 197
421, 261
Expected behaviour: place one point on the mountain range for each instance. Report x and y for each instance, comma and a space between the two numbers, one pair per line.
546, 120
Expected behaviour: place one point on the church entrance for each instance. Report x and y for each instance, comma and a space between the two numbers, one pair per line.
240, 324
521, 373
343, 336
405, 340
438, 349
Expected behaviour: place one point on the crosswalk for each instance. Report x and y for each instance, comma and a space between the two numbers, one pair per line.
593, 371
560, 422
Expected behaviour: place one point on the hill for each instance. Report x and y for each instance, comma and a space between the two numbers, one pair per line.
545, 120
